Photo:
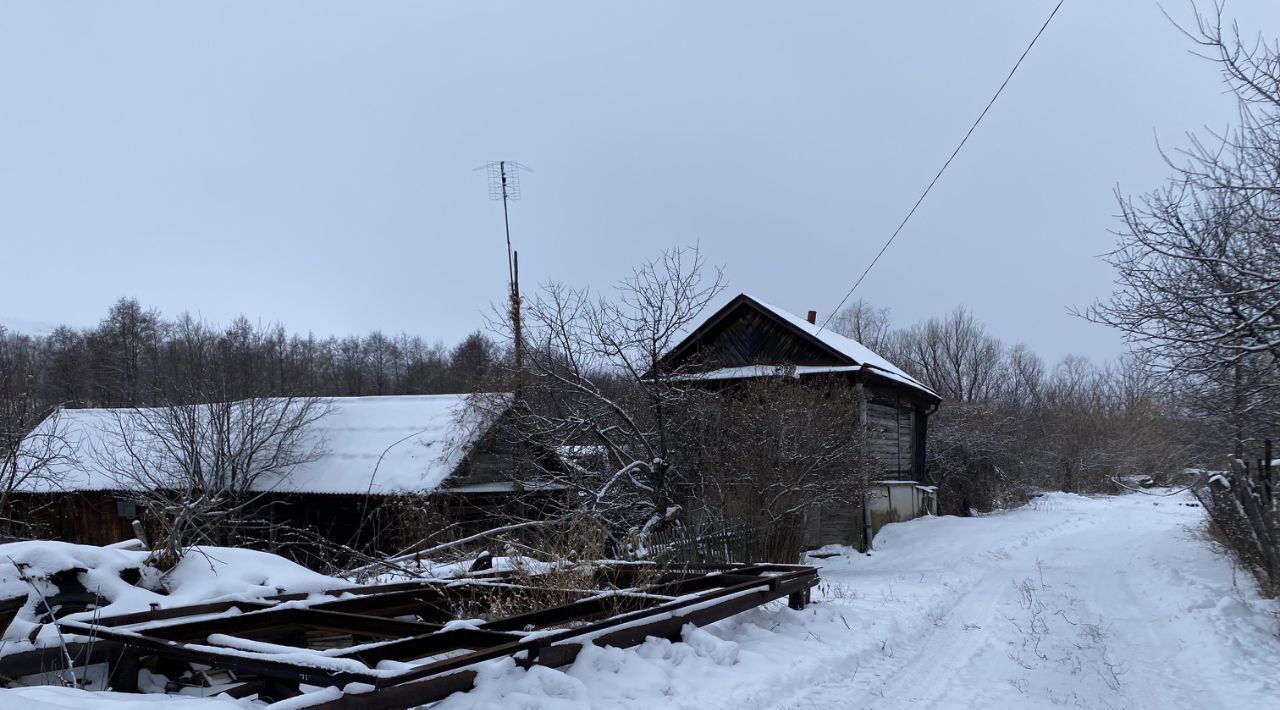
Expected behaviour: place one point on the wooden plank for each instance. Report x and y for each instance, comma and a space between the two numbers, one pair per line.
407, 649
159, 614
52, 658
559, 653
906, 419
708, 598
238, 662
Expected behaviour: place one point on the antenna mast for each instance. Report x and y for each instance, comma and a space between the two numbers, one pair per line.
504, 185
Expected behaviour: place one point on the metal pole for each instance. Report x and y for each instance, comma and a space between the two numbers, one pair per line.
506, 224
504, 184
516, 328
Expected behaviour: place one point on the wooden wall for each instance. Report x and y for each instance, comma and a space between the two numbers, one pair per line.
834, 524
754, 339
891, 423
370, 523
843, 524
87, 518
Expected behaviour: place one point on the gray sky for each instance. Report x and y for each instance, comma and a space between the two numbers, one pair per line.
312, 162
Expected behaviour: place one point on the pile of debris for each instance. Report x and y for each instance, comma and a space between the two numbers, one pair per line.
392, 645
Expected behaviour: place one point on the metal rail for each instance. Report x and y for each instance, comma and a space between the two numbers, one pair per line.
267, 642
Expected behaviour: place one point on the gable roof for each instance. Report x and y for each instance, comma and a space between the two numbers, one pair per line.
842, 354
378, 445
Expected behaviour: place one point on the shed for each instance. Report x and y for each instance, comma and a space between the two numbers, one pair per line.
748, 338
373, 454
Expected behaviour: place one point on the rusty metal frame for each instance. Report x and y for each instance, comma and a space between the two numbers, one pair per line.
407, 622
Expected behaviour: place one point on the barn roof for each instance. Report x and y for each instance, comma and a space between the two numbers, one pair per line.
378, 445
833, 352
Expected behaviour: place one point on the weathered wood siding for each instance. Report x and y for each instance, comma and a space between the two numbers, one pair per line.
496, 461
843, 524
891, 435
906, 441
755, 339
834, 524
86, 518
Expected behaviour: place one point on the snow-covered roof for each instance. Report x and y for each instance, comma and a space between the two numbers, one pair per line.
846, 354
848, 347
378, 445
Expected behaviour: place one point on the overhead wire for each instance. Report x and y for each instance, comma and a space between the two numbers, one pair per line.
945, 165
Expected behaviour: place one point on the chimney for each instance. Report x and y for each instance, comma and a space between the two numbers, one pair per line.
812, 317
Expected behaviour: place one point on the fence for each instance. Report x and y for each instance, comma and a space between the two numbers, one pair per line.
724, 545
1242, 504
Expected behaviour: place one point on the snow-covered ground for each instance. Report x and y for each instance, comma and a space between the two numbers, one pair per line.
1115, 602
206, 574
1080, 602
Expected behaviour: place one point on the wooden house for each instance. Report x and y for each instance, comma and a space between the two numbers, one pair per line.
749, 338
386, 472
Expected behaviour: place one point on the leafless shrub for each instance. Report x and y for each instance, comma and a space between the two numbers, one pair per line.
1198, 259
772, 450
199, 469
597, 413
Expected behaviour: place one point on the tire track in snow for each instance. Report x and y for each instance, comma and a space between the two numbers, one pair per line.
924, 672
1131, 611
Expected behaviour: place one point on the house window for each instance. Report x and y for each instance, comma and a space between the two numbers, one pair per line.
126, 508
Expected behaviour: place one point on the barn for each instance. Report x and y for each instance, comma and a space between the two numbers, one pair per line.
749, 338
386, 471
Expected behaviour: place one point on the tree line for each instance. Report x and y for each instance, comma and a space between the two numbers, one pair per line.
646, 441
1011, 424
136, 358
211, 395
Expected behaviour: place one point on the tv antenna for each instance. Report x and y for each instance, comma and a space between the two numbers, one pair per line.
504, 184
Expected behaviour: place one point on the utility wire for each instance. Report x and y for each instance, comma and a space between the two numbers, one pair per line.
943, 169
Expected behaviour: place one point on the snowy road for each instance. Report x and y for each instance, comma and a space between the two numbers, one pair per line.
1076, 602
1104, 603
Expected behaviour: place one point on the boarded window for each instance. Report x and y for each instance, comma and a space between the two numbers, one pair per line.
890, 435
906, 419
126, 508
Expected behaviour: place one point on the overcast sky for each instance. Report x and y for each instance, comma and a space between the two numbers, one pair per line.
311, 163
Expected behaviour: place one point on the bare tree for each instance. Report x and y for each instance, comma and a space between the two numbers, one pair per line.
1199, 259
956, 356
773, 450
199, 469
595, 395
33, 440
865, 323
974, 457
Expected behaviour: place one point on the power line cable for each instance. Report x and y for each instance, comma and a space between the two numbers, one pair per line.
943, 169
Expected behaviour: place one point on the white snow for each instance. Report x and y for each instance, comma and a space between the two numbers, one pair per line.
858, 352
408, 443
209, 574
745, 371
1078, 602
57, 698
206, 574
1110, 602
